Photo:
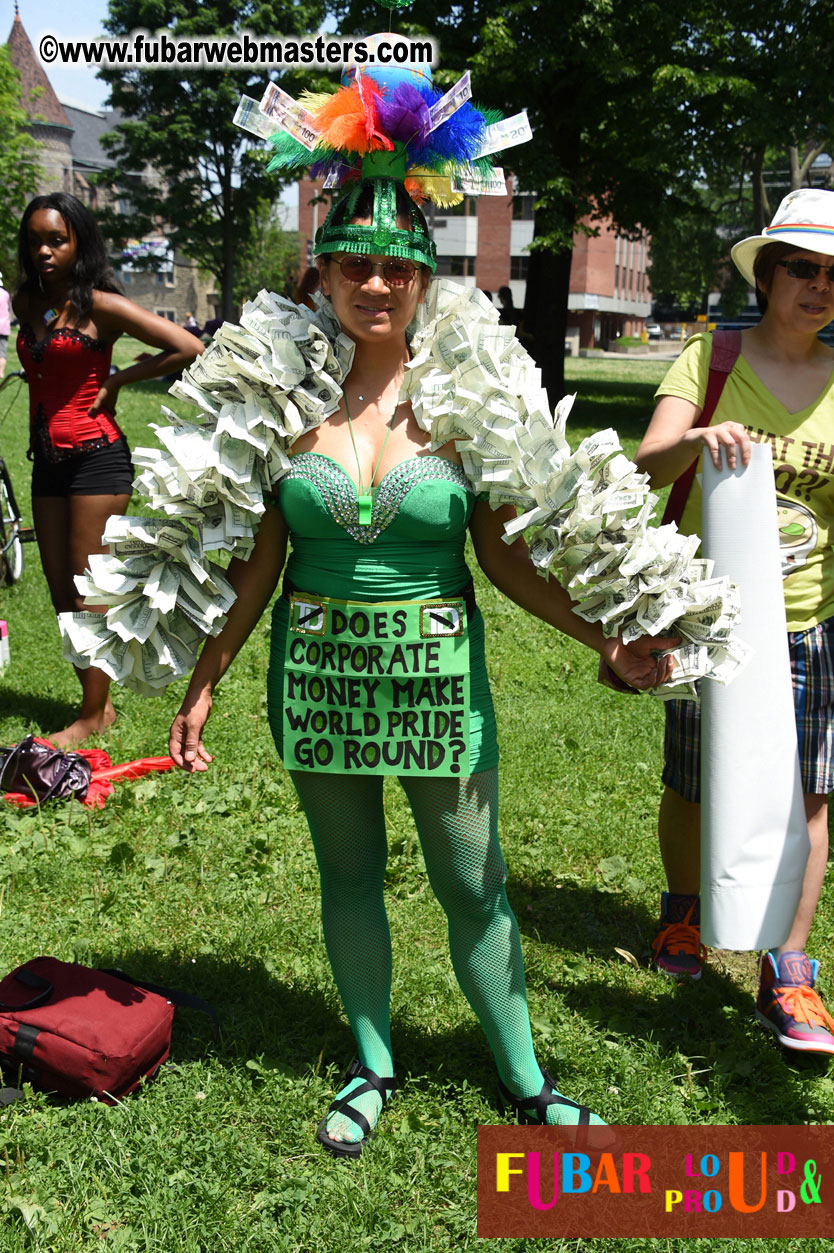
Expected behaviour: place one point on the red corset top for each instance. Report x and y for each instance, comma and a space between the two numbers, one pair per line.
65, 372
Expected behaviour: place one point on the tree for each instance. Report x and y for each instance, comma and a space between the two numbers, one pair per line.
180, 160
690, 253
784, 55
755, 145
270, 256
634, 108
18, 165
607, 143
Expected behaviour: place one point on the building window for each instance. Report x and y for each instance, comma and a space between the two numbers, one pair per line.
455, 267
165, 278
523, 208
126, 276
518, 267
468, 208
170, 314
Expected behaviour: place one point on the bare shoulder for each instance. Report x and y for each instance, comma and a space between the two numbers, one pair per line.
113, 304
115, 315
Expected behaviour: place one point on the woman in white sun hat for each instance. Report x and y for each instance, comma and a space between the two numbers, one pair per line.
780, 389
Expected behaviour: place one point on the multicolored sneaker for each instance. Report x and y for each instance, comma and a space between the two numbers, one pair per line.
677, 949
788, 1005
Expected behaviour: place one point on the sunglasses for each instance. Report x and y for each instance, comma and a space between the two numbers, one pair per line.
396, 271
800, 267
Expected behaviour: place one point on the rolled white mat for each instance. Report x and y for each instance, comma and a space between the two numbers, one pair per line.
754, 836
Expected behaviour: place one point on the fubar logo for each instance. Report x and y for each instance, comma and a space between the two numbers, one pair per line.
656, 1181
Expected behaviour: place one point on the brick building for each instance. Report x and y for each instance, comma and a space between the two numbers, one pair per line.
609, 287
483, 243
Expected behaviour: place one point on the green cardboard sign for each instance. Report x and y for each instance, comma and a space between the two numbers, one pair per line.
377, 688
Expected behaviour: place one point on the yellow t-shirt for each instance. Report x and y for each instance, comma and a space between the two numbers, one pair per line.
803, 465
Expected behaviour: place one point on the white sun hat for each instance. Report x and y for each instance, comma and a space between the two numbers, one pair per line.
805, 219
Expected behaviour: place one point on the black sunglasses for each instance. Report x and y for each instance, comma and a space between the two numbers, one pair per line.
356, 268
801, 267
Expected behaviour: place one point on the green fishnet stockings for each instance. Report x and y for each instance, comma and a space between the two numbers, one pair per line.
346, 821
457, 823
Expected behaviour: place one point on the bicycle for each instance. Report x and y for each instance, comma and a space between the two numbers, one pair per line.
12, 534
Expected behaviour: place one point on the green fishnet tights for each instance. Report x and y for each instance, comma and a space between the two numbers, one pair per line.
457, 824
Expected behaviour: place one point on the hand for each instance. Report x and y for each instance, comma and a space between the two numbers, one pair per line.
634, 662
185, 742
728, 435
105, 400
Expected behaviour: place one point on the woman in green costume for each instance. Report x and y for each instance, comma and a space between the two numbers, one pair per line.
376, 522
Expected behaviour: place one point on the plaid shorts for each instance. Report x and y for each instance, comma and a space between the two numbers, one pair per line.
812, 672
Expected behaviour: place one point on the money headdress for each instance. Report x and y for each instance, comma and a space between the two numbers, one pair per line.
386, 127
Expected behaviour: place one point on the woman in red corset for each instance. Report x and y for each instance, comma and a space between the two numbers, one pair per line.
71, 313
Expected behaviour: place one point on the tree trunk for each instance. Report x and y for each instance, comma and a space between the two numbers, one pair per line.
812, 151
761, 208
546, 312
796, 177
227, 291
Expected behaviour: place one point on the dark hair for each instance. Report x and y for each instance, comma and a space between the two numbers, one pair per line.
92, 269
764, 267
505, 295
307, 284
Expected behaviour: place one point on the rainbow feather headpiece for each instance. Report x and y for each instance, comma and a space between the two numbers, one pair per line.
386, 126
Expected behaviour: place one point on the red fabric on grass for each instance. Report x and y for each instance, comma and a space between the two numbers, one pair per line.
104, 772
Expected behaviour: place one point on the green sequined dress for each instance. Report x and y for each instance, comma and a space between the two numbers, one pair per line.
413, 549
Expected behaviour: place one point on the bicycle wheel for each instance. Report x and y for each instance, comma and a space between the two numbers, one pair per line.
11, 559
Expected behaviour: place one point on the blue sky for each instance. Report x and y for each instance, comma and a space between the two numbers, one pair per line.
80, 19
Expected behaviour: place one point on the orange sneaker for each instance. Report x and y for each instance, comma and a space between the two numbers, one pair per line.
677, 949
788, 1005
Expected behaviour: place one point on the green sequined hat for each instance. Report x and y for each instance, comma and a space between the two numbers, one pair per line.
382, 174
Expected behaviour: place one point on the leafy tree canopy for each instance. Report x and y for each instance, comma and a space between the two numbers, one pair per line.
270, 257
690, 254
187, 167
634, 107
18, 166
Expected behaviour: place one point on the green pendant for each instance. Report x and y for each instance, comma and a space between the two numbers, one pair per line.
365, 505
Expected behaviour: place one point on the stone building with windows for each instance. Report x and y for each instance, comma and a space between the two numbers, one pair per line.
71, 160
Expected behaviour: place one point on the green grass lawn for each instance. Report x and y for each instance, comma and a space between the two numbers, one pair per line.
209, 883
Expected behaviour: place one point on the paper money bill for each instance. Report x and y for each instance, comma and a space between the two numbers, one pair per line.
298, 121
449, 103
249, 117
506, 134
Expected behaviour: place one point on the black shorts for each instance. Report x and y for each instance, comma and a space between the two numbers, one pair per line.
99, 472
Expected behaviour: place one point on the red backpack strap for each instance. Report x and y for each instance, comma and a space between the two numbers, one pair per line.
726, 349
